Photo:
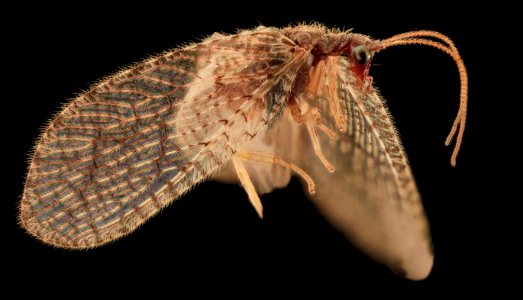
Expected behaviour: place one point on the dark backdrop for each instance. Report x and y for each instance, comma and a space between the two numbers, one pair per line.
212, 237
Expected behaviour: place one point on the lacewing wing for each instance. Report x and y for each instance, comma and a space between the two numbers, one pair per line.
254, 107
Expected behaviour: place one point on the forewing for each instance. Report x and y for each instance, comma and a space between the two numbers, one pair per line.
132, 144
371, 197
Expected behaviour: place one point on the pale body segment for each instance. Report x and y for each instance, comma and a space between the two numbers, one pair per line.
254, 107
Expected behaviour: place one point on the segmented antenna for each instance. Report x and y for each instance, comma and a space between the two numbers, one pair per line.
445, 44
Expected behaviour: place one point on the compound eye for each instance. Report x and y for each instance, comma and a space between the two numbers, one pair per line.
361, 54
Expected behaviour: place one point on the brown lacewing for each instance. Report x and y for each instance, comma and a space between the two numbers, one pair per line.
254, 107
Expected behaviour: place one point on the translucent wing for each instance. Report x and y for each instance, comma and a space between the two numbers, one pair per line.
135, 142
371, 197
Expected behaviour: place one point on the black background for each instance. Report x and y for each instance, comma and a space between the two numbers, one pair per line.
211, 240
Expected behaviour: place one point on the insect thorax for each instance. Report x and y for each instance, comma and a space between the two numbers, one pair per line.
322, 41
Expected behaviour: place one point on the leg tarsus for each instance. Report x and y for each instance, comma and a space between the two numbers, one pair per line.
328, 132
271, 159
248, 186
317, 148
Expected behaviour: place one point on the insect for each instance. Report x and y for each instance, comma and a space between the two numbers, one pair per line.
254, 107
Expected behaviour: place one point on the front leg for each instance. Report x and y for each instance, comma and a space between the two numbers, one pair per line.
312, 119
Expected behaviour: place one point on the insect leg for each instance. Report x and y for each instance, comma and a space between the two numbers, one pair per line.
317, 147
312, 119
271, 159
248, 186
323, 86
312, 115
